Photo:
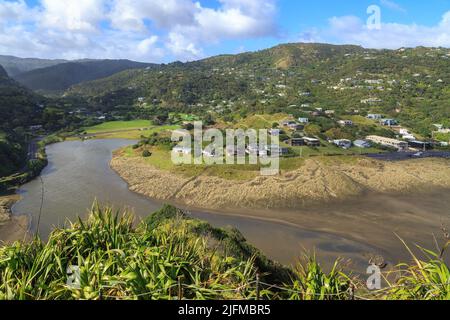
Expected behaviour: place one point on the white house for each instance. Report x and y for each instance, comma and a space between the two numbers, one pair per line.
303, 120
345, 123
343, 143
182, 150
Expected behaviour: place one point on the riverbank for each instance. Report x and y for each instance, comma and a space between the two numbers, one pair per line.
318, 180
12, 228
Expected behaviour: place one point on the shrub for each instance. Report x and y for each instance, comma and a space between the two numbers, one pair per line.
146, 154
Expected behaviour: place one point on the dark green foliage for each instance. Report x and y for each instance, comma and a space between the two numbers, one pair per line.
62, 76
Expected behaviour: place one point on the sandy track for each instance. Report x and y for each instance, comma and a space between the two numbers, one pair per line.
316, 181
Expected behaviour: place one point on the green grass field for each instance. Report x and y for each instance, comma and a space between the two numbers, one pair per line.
119, 125
132, 130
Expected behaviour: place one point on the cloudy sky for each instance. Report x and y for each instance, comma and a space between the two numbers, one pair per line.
168, 30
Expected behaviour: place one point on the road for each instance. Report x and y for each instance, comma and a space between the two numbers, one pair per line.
399, 156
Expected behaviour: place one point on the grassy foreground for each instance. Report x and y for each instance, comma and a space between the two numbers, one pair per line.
170, 256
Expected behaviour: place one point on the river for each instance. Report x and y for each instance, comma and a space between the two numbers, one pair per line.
79, 172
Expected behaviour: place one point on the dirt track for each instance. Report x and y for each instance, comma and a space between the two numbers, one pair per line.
316, 181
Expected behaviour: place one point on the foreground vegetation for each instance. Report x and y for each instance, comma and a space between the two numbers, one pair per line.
170, 256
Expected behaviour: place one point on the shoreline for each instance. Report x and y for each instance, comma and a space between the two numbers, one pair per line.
12, 227
370, 218
315, 183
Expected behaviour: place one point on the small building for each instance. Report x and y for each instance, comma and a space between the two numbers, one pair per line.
274, 150
311, 142
330, 112
421, 145
409, 137
182, 150
373, 116
209, 153
297, 142
303, 120
389, 122
274, 132
252, 149
362, 144
345, 123
296, 127
388, 142
343, 143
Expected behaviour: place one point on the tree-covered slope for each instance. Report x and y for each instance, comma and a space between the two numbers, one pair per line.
62, 76
411, 85
15, 65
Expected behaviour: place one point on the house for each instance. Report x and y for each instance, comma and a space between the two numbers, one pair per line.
252, 149
274, 150
36, 127
343, 143
303, 120
287, 123
345, 123
389, 122
362, 144
297, 142
296, 127
374, 116
371, 101
274, 132
388, 142
420, 145
209, 153
181, 150
311, 142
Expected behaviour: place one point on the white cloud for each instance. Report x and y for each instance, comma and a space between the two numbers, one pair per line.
79, 15
353, 30
392, 5
149, 30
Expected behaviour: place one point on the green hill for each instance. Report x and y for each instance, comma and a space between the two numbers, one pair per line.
411, 85
15, 65
61, 76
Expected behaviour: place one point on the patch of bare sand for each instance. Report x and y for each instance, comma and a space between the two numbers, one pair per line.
11, 228
315, 181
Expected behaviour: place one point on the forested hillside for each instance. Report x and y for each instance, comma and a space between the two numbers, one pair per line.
409, 84
16, 65
62, 76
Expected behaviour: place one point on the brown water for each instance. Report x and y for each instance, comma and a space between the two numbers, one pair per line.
79, 172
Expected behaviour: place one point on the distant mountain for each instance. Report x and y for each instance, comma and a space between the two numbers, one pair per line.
60, 77
15, 65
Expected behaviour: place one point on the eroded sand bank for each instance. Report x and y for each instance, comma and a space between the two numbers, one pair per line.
12, 228
317, 181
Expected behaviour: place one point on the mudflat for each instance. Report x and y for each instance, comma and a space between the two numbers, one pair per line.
318, 180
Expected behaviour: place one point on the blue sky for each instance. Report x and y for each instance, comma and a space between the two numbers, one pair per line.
168, 30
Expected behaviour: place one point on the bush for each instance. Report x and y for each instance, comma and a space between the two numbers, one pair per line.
146, 154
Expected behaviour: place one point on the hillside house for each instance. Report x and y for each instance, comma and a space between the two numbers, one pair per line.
362, 144
388, 142
345, 123
303, 120
373, 116
389, 122
311, 142
297, 142
181, 150
343, 143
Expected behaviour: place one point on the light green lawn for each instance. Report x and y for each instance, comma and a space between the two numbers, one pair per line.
132, 130
119, 125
